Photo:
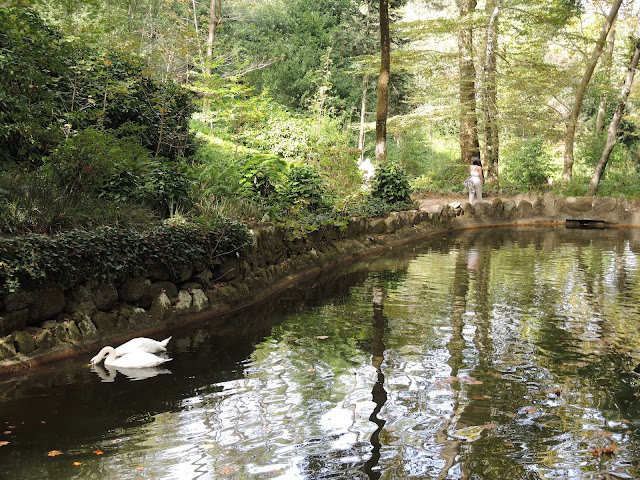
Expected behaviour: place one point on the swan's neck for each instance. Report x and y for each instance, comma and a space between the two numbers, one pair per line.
110, 353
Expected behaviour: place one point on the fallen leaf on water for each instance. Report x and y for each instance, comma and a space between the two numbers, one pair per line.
322, 337
609, 451
230, 469
276, 472
3, 443
471, 381
54, 453
531, 410
98, 452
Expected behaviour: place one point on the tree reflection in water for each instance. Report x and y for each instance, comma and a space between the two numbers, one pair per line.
379, 393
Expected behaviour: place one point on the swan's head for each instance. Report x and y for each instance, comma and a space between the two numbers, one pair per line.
102, 354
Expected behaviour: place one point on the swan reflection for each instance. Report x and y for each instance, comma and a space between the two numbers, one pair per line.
108, 373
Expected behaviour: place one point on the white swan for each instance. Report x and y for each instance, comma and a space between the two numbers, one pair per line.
136, 359
142, 344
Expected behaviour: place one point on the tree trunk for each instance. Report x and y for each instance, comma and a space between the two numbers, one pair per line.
613, 126
363, 116
608, 55
215, 17
490, 105
570, 129
469, 145
383, 85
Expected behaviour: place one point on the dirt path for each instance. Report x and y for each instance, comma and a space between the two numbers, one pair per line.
432, 203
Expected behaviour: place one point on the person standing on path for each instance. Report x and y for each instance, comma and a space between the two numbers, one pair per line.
475, 189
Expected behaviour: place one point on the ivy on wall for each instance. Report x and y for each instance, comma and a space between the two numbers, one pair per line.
110, 254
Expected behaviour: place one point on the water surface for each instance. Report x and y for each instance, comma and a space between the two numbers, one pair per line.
492, 354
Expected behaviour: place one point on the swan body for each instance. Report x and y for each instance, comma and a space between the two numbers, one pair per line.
136, 359
142, 344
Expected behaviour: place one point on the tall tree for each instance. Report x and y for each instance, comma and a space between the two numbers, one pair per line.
215, 17
608, 60
469, 144
490, 93
572, 122
383, 84
615, 122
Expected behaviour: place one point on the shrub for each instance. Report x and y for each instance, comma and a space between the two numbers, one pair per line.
260, 174
528, 165
391, 184
304, 186
97, 162
31, 203
168, 187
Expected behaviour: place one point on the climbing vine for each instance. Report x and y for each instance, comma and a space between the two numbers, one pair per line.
110, 254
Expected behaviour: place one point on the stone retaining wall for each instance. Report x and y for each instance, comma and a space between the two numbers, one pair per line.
49, 324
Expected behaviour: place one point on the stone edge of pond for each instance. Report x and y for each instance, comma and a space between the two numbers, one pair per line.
44, 326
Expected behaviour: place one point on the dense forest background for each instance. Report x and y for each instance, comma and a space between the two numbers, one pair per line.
127, 113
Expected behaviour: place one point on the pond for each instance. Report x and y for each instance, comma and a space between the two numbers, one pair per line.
486, 354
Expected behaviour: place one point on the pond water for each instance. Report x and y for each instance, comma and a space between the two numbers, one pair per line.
489, 354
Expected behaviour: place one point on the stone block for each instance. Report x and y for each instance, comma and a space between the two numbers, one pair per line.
44, 338
7, 347
24, 342
161, 307
181, 274
67, 331
50, 302
105, 296
525, 209
80, 299
15, 320
200, 301
132, 289
185, 302
18, 300
85, 325
105, 322
203, 277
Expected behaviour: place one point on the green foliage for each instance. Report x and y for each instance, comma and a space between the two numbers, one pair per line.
391, 184
528, 164
590, 149
378, 207
260, 174
111, 253
168, 186
52, 87
98, 162
309, 48
304, 187
31, 202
